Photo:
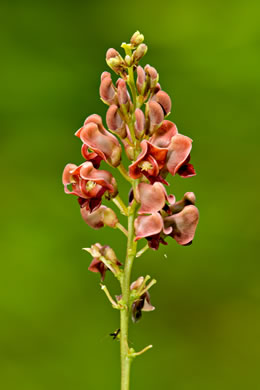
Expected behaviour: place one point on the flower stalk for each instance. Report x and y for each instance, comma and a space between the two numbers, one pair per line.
155, 149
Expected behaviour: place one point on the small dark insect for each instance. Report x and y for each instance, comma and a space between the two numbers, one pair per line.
115, 334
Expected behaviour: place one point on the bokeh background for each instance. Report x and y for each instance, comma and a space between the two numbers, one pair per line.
55, 321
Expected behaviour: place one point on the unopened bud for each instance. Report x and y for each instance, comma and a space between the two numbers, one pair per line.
137, 38
140, 81
139, 123
153, 75
156, 114
128, 60
115, 122
114, 60
123, 96
107, 90
164, 100
140, 52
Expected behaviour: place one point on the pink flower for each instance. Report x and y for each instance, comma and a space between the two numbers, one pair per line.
89, 184
102, 142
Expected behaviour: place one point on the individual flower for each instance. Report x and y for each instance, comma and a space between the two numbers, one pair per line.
102, 142
178, 146
176, 219
89, 184
104, 258
149, 162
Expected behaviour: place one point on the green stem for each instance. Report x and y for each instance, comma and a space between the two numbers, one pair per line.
124, 173
144, 249
125, 312
120, 204
122, 228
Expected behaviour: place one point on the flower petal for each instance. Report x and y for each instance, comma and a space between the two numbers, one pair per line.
163, 135
151, 196
179, 150
148, 225
183, 224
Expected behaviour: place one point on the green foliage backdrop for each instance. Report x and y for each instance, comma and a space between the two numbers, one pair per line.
55, 320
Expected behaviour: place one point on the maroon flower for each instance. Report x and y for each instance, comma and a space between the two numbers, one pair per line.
98, 139
89, 184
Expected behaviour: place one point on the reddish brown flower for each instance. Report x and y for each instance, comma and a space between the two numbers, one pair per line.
178, 146
88, 183
98, 139
177, 220
149, 162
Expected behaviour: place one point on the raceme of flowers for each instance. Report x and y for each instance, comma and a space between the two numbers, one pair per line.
155, 149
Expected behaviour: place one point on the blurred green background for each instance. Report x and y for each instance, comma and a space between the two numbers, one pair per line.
55, 321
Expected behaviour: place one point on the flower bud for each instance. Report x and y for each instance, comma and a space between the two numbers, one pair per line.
115, 122
164, 100
114, 60
140, 52
123, 96
140, 81
153, 76
128, 60
156, 115
137, 38
107, 90
139, 122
